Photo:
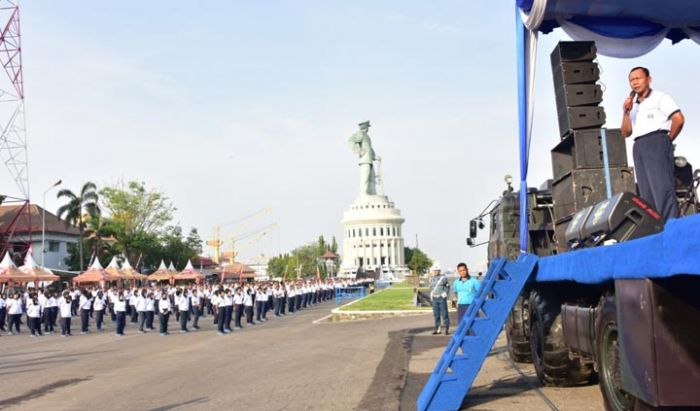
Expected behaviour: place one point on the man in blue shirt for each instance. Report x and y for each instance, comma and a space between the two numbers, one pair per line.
466, 288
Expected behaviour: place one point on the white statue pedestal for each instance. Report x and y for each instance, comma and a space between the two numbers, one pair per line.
372, 238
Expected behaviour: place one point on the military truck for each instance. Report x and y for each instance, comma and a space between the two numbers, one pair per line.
569, 330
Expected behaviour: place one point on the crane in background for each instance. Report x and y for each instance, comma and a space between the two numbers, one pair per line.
252, 238
242, 224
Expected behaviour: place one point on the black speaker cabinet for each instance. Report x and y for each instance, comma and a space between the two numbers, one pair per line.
622, 217
585, 187
573, 95
567, 51
573, 236
575, 118
575, 73
584, 149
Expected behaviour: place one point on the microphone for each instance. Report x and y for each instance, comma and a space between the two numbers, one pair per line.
632, 94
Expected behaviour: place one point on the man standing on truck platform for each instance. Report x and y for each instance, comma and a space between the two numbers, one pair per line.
439, 288
654, 120
466, 289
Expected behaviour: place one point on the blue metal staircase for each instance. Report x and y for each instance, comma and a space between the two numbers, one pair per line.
456, 370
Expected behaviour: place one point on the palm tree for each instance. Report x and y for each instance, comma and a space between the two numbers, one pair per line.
73, 212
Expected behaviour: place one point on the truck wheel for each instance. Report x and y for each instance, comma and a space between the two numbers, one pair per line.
608, 357
550, 354
518, 331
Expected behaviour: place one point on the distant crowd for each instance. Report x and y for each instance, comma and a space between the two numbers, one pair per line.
47, 310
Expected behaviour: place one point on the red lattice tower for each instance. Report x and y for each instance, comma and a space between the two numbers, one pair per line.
13, 136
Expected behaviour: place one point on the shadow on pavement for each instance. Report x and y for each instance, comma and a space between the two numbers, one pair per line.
200, 400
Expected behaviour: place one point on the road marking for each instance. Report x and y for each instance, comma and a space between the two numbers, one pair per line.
321, 319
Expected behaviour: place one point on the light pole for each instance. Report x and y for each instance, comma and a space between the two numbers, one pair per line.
43, 221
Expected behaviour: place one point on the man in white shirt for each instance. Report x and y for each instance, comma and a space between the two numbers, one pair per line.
654, 120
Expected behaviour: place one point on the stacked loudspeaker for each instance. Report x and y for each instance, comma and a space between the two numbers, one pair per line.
577, 160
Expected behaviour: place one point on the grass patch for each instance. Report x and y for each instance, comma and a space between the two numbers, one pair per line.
397, 297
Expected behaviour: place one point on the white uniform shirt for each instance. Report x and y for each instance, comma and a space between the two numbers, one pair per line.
183, 303
85, 303
652, 114
64, 307
150, 304
248, 300
140, 303
99, 303
238, 299
119, 305
33, 310
164, 306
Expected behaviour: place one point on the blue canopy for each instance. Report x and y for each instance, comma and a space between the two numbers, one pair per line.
620, 28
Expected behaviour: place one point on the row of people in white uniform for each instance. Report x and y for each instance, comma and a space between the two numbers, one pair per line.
143, 304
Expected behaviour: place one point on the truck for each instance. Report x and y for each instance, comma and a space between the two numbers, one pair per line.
638, 339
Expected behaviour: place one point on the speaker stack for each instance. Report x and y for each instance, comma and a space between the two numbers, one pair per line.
577, 160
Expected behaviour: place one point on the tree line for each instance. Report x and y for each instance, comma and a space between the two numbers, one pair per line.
126, 219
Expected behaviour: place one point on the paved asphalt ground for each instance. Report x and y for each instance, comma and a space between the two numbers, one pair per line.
293, 363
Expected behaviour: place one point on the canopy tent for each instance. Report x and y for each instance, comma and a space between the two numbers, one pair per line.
171, 268
189, 273
9, 273
236, 271
30, 267
130, 273
95, 274
113, 269
162, 273
620, 28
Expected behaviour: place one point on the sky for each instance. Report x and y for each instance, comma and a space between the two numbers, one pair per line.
233, 106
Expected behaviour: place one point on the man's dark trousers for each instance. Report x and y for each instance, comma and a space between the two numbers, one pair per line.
654, 168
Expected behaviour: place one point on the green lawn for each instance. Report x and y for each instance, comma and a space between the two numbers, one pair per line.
397, 297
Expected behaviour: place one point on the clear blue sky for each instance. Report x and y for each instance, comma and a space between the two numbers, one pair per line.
233, 106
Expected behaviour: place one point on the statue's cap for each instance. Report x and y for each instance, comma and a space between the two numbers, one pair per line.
364, 124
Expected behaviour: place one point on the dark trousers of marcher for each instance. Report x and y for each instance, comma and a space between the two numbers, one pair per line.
16, 320
184, 318
283, 305
121, 322
461, 310
84, 320
196, 313
34, 325
3, 313
220, 320
149, 319
440, 310
291, 304
46, 319
65, 325
141, 320
259, 310
298, 303
53, 315
266, 307
163, 318
276, 306
654, 167
228, 316
249, 314
134, 314
113, 316
99, 318
239, 315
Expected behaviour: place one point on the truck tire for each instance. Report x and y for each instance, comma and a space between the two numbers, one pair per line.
550, 354
518, 331
608, 357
